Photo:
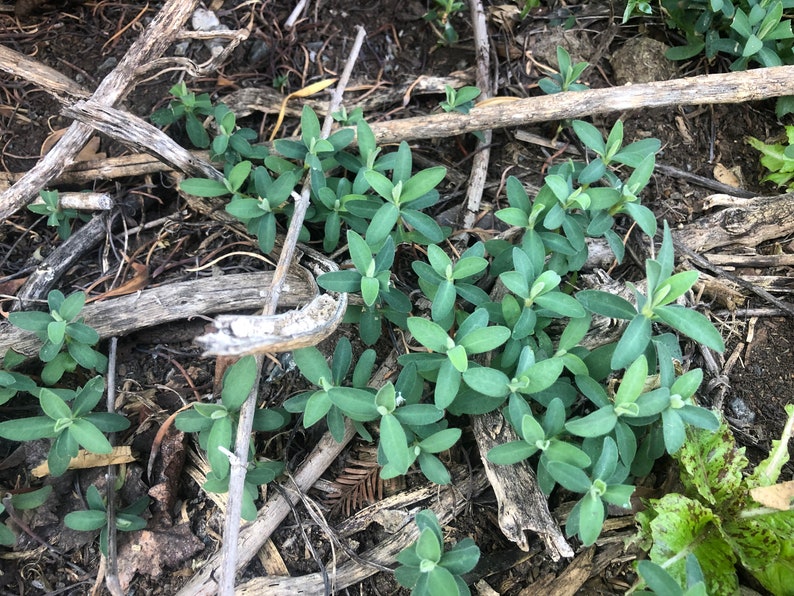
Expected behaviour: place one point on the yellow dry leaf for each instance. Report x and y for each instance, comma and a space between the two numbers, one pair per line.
86, 459
495, 101
777, 496
304, 92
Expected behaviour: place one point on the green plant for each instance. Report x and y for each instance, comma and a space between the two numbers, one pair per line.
21, 501
216, 423
565, 79
717, 519
57, 216
661, 582
233, 143
459, 100
440, 17
635, 8
95, 517
778, 159
69, 427
58, 327
191, 107
429, 570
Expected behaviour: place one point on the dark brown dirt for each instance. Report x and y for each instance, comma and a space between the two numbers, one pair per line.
155, 364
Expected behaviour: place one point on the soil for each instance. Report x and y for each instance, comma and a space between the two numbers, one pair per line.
160, 368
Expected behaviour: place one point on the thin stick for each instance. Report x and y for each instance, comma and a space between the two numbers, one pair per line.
237, 473
112, 573
479, 165
734, 87
154, 40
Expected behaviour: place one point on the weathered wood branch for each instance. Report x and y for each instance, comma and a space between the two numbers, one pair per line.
734, 87
119, 316
154, 40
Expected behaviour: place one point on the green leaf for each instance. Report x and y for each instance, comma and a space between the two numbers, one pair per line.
447, 385
86, 521
441, 441
692, 324
606, 304
72, 306
591, 518
32, 499
658, 579
595, 424
511, 453
590, 136
89, 436
441, 581
238, 380
201, 187
53, 405
356, 404
380, 184
340, 281
424, 224
88, 397
107, 422
31, 321
382, 223
484, 339
317, 406
561, 304
418, 414
395, 444
27, 429
422, 183
542, 375
461, 558
310, 125
429, 334
633, 382
673, 429
636, 337
312, 364
683, 525
433, 469
220, 435
487, 381
571, 477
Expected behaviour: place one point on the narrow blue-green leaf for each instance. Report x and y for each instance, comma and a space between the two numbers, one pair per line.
421, 183
317, 407
382, 224
220, 435
238, 380
394, 443
201, 187
562, 304
606, 304
433, 469
673, 430
488, 381
633, 342
447, 385
511, 453
484, 339
692, 324
27, 429
53, 405
571, 477
312, 364
380, 184
441, 441
595, 424
310, 125
633, 381
429, 334
591, 519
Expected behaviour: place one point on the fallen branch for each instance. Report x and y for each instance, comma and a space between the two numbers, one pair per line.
154, 40
734, 87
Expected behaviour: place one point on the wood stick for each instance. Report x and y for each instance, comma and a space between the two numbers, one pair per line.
137, 133
154, 40
120, 316
734, 87
58, 85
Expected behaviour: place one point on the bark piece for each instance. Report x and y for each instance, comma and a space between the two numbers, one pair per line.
522, 506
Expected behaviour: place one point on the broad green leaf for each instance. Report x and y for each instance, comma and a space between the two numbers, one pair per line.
360, 252
82, 333
606, 304
310, 125
370, 288
571, 477
340, 281
356, 404
89, 436
591, 518
380, 184
635, 339
382, 223
433, 469
447, 385
444, 301
30, 321
441, 441
107, 422
312, 364
692, 324
201, 187
565, 452
395, 444
633, 381
239, 174
238, 380
461, 558
429, 334
699, 417
53, 405
27, 429
595, 424
484, 339
511, 453
562, 304
673, 430
424, 224
86, 521
542, 375
487, 381
674, 286
72, 306
220, 435
441, 581
418, 414
421, 183
317, 407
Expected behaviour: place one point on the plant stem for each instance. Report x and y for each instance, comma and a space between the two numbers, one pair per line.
237, 473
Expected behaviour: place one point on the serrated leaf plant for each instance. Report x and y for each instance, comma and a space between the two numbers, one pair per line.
62, 326
69, 427
428, 569
216, 423
716, 519
128, 519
